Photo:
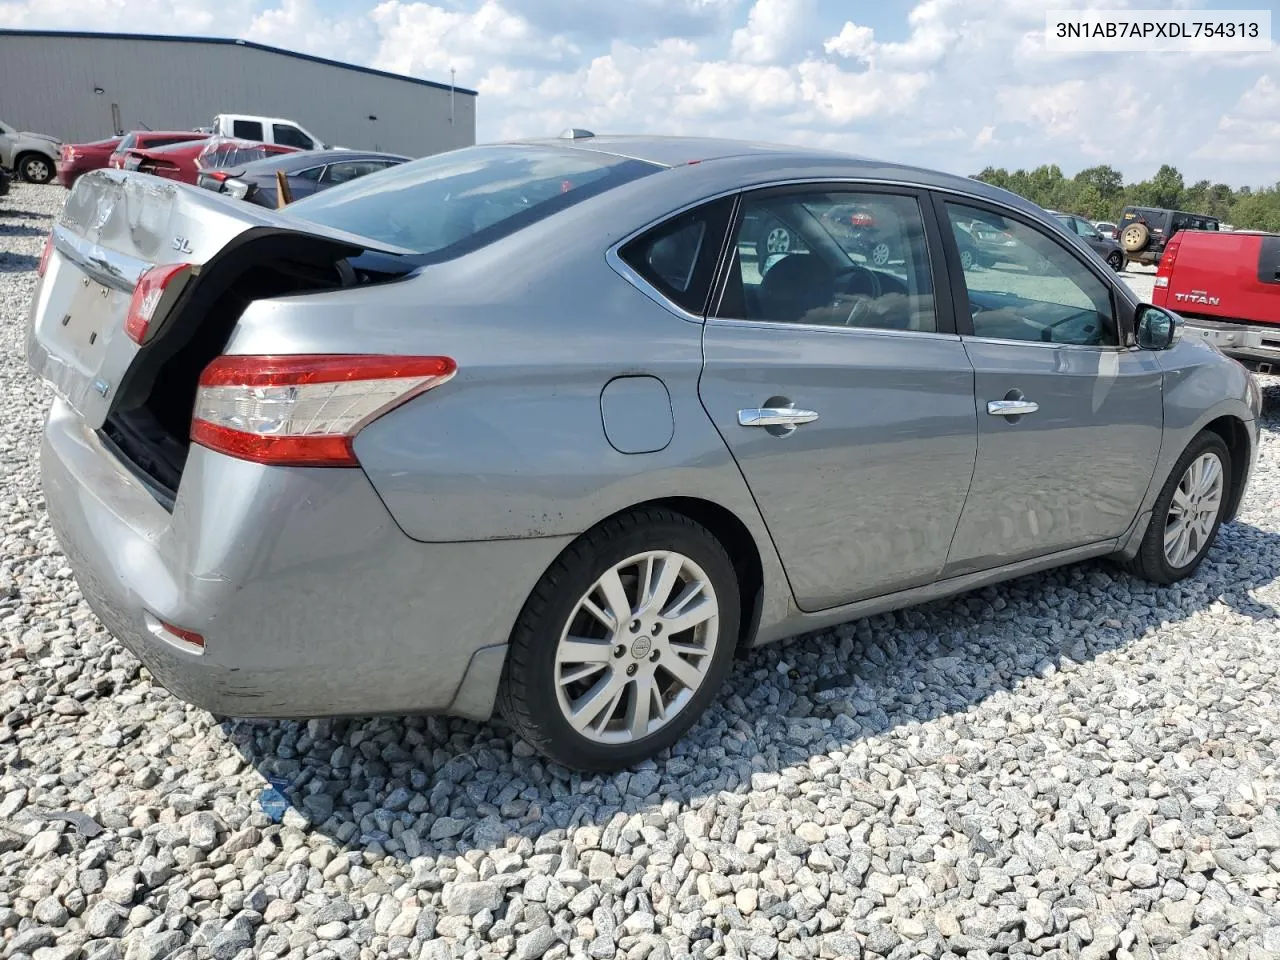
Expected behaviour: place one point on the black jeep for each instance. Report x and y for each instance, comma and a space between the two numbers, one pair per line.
1144, 231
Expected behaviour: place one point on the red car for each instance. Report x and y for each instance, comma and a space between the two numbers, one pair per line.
78, 158
149, 139
184, 161
1227, 288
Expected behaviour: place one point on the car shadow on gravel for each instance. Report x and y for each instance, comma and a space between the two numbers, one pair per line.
20, 230
408, 787
17, 262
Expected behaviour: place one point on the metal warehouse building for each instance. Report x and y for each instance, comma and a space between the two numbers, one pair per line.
80, 87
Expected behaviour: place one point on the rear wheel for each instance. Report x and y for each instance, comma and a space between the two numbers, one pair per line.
1116, 260
880, 253
1186, 516
623, 643
35, 168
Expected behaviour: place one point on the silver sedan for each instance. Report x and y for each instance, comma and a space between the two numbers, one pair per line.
558, 427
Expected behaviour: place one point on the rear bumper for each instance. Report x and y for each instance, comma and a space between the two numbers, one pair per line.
1254, 345
67, 173
310, 599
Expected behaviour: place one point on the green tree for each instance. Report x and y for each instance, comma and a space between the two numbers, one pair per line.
1106, 180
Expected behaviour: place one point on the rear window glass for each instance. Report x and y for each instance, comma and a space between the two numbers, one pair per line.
452, 203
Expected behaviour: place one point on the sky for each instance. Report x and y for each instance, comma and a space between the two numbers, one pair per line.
952, 84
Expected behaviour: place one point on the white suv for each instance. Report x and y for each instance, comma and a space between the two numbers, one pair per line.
30, 155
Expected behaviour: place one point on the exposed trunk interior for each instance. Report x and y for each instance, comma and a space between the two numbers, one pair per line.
149, 427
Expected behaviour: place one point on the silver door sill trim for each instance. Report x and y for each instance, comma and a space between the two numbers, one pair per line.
804, 622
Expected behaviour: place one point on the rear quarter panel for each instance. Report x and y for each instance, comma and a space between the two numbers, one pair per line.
514, 446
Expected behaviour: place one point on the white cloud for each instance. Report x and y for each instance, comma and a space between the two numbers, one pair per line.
1250, 132
775, 29
961, 84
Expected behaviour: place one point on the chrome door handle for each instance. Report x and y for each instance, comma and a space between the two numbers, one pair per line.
775, 417
1011, 408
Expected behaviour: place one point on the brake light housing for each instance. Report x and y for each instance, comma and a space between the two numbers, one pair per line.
45, 253
152, 287
1165, 268
305, 410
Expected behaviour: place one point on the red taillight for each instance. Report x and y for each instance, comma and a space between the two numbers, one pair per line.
146, 297
44, 255
1165, 269
219, 175
304, 410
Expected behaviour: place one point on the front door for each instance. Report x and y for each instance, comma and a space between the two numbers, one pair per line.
842, 391
1069, 420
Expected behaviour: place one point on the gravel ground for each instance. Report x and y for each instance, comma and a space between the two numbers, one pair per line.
1073, 765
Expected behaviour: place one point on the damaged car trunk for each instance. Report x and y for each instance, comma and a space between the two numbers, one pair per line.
141, 285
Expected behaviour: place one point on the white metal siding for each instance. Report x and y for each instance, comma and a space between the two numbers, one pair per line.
47, 86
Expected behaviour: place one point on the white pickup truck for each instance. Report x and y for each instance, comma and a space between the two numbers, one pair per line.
30, 155
265, 130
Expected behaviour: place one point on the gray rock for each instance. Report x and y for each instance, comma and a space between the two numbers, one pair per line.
469, 898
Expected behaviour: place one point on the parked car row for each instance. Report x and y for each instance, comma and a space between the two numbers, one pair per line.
239, 155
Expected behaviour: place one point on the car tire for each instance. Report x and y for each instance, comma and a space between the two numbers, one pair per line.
542, 686
1115, 259
34, 168
967, 259
774, 239
1155, 560
880, 253
1134, 237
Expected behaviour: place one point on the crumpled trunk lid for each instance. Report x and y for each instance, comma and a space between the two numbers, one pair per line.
116, 226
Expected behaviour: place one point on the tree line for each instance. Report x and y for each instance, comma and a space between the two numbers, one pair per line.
1100, 193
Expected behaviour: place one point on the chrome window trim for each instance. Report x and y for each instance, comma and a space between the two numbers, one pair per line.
620, 267
835, 328
1117, 348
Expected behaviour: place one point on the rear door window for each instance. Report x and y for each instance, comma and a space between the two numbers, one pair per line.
450, 204
291, 136
247, 129
350, 170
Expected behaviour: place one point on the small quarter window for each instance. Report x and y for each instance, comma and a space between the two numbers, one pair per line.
679, 256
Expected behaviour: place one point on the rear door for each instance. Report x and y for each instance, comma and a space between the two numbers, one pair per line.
843, 392
1070, 420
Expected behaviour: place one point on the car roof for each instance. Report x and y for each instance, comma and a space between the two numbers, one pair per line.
748, 157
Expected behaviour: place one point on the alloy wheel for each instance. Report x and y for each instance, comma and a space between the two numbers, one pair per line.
637, 647
37, 170
1194, 510
966, 259
778, 240
880, 254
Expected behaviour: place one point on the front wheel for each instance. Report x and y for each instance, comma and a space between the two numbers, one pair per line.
623, 642
35, 168
1186, 516
1115, 259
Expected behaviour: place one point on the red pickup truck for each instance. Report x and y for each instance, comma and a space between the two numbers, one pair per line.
1227, 288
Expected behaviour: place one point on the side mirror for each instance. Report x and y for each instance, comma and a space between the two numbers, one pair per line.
1157, 329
